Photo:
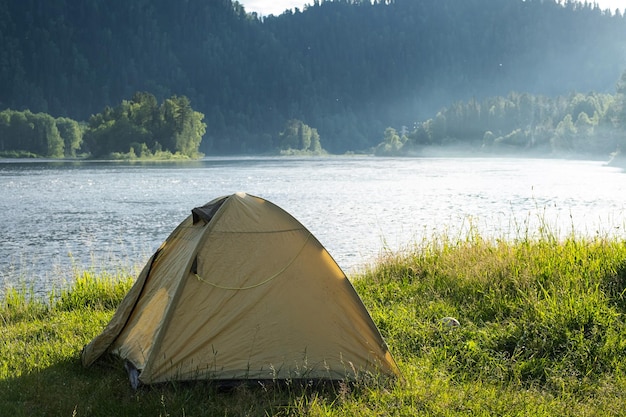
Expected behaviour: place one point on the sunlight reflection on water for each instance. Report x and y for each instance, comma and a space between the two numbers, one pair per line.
55, 215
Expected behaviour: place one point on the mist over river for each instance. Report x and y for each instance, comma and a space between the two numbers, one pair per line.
60, 216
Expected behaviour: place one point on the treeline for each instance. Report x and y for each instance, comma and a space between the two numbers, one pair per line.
347, 68
578, 124
136, 128
26, 134
300, 138
143, 127
139, 127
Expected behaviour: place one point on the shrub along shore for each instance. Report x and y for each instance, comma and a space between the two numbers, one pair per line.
542, 333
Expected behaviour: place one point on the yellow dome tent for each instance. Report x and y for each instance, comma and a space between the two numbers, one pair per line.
242, 290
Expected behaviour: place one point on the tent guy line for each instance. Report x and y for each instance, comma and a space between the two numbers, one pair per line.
249, 287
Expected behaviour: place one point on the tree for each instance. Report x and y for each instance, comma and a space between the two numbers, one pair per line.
32, 133
22, 132
143, 125
564, 134
289, 138
182, 126
114, 136
49, 134
72, 135
143, 111
299, 136
621, 101
189, 138
391, 145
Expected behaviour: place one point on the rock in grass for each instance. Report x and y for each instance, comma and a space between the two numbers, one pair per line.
450, 321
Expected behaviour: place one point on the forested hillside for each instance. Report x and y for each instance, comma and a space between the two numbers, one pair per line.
347, 68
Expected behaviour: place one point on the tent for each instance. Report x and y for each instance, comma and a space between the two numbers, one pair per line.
242, 290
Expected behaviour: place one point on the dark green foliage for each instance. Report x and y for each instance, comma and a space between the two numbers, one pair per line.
139, 127
72, 135
142, 127
298, 136
37, 134
347, 68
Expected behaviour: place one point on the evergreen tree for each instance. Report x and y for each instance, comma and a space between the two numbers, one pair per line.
349, 68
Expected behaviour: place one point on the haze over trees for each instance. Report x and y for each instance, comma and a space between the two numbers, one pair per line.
346, 68
579, 124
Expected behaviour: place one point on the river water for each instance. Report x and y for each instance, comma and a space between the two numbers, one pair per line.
59, 217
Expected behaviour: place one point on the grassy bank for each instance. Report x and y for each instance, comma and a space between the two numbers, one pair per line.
541, 333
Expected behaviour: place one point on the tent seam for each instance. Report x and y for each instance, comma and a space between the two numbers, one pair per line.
181, 285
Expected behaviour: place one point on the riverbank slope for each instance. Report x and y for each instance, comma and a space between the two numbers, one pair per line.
541, 333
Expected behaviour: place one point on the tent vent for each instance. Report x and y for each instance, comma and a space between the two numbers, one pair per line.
207, 211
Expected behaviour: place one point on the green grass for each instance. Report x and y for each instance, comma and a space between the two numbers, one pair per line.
542, 334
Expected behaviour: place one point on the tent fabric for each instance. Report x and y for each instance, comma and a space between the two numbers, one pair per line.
242, 290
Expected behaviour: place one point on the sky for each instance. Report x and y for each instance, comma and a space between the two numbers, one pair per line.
276, 7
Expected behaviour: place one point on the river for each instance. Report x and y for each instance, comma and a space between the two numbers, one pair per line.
57, 217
